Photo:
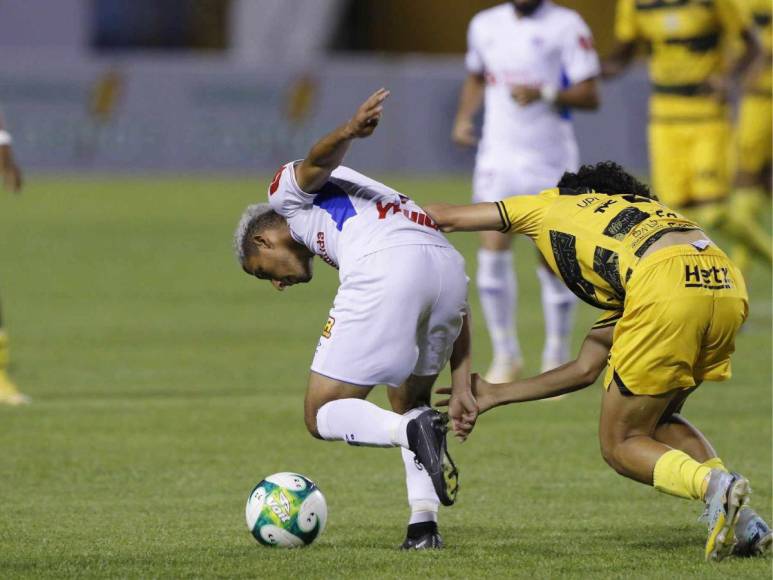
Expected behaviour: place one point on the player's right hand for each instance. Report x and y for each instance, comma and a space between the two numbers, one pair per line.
463, 133
365, 120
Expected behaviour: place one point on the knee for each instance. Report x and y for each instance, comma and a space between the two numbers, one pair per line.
609, 451
310, 417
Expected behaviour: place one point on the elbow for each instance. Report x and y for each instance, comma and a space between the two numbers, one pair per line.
587, 373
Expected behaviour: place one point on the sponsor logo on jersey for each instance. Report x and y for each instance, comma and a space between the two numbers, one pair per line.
710, 278
328, 328
393, 208
322, 250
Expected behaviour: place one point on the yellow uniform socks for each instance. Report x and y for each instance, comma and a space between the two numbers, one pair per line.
676, 473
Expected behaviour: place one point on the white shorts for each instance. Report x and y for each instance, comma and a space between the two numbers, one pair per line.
496, 179
398, 312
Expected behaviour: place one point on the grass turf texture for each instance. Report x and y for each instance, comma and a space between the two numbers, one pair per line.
166, 383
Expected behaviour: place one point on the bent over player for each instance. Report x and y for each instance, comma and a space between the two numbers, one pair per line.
398, 317
674, 303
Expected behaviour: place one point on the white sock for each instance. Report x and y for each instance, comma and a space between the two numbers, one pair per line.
498, 292
359, 422
558, 305
422, 498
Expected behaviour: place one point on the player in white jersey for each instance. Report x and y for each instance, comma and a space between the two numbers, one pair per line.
397, 319
533, 61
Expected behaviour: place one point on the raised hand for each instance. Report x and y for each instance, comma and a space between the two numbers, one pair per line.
365, 120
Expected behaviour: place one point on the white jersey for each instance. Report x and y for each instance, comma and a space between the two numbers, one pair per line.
553, 46
351, 216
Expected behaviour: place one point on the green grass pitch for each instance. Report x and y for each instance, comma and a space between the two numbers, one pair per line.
166, 383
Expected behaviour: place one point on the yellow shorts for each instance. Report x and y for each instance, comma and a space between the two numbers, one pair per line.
754, 133
683, 308
689, 161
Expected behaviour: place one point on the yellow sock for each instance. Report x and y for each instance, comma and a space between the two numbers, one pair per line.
676, 473
716, 463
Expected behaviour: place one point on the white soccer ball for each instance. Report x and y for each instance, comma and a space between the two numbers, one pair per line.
286, 510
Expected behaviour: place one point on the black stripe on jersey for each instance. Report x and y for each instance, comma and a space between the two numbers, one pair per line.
565, 254
606, 264
657, 235
703, 43
506, 224
628, 275
660, 4
620, 225
761, 19
684, 90
607, 322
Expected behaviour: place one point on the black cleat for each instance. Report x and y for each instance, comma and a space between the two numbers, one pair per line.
427, 439
422, 536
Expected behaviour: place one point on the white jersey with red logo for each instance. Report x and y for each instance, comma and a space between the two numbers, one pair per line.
351, 216
553, 46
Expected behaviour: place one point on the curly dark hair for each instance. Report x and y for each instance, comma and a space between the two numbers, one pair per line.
604, 177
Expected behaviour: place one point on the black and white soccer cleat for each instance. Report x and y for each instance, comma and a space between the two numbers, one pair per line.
422, 536
427, 439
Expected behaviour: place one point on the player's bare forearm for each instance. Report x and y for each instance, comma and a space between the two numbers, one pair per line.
618, 60
462, 406
582, 95
573, 376
470, 101
329, 152
465, 218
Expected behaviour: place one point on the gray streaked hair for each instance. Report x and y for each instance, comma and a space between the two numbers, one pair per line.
254, 219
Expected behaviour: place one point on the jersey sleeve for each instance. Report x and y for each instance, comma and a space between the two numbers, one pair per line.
735, 15
284, 195
608, 318
524, 214
579, 61
473, 60
626, 29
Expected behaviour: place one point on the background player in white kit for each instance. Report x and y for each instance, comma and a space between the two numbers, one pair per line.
533, 61
397, 319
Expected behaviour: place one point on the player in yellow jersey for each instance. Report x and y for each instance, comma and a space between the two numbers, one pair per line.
674, 303
689, 130
753, 166
12, 179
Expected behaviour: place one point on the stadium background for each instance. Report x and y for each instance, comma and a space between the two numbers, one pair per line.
166, 383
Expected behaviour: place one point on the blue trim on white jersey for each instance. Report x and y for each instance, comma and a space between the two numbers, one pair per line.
335, 201
565, 112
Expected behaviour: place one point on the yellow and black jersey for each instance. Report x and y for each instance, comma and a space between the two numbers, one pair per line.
593, 241
762, 11
686, 40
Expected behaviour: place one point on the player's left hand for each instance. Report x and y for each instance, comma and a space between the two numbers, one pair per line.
12, 178
525, 94
365, 120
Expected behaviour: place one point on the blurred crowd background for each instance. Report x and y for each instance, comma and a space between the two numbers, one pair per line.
242, 85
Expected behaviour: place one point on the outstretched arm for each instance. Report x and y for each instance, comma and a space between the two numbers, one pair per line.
465, 218
573, 376
328, 153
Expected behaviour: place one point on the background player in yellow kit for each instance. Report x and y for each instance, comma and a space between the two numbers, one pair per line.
12, 180
675, 303
754, 130
689, 130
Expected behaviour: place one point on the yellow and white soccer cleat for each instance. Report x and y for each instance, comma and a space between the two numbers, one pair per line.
727, 493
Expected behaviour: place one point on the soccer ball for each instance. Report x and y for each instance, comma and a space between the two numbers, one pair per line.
286, 510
